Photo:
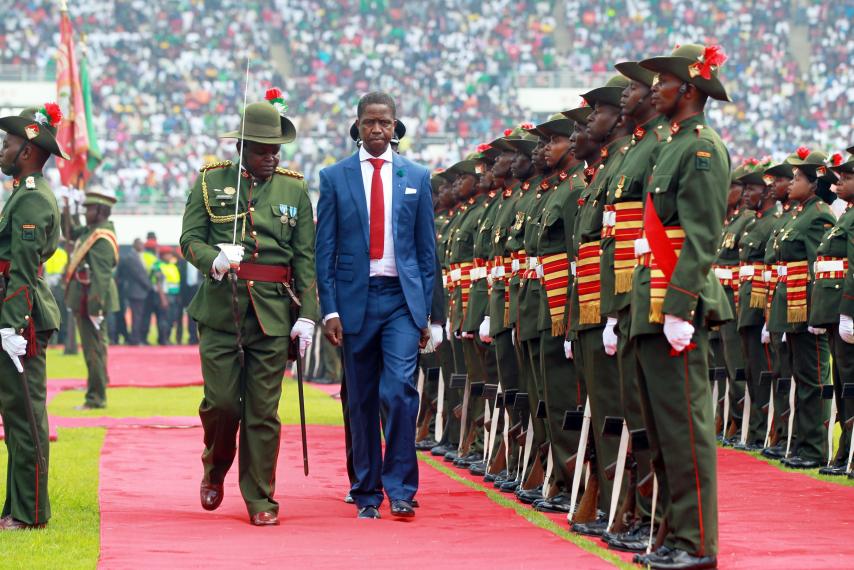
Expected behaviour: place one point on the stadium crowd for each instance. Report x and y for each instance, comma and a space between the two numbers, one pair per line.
168, 75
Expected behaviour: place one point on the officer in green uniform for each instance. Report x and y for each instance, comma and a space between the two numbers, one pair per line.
514, 310
29, 234
609, 132
622, 225
553, 248
91, 290
675, 297
781, 370
519, 144
753, 295
270, 269
726, 270
845, 190
831, 270
796, 254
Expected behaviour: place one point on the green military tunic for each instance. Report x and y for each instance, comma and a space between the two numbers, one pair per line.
97, 298
751, 318
277, 229
29, 234
810, 353
688, 191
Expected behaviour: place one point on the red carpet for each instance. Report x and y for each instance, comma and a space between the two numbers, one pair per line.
150, 367
151, 518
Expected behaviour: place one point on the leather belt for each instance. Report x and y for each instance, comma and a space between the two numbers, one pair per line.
264, 273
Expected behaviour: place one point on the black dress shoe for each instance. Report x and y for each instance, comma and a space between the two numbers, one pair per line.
592, 528
440, 450
528, 497
776, 452
451, 456
678, 559
415, 503
368, 513
478, 468
560, 503
644, 559
349, 499
509, 486
635, 540
211, 495
403, 509
425, 444
833, 470
801, 463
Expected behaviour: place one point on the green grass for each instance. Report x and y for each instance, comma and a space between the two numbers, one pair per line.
61, 365
534, 517
320, 409
72, 538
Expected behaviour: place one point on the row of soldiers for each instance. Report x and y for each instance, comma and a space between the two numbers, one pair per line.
599, 324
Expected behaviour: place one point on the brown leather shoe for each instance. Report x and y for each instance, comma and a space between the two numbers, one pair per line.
211, 495
8, 523
264, 518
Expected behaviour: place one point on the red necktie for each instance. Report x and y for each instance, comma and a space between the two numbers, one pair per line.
377, 212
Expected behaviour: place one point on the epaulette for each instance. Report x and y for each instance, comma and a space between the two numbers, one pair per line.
212, 165
288, 172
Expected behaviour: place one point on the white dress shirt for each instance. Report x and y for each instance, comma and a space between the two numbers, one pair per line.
386, 266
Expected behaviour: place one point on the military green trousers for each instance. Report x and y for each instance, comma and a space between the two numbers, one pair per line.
602, 379
508, 378
246, 399
758, 360
95, 343
677, 402
563, 392
734, 361
26, 485
630, 404
811, 371
781, 361
536, 394
843, 372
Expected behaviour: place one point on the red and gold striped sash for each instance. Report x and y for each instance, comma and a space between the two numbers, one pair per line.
796, 278
758, 286
628, 228
588, 282
556, 283
836, 273
730, 282
657, 281
465, 284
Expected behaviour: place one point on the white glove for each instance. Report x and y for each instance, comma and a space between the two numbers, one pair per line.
765, 337
96, 321
846, 328
229, 256
678, 332
816, 330
484, 331
567, 349
15, 346
513, 336
466, 334
436, 335
784, 338
609, 337
304, 329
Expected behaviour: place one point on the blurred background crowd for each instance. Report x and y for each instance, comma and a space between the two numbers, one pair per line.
168, 75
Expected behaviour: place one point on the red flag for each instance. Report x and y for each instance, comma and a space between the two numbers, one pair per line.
72, 135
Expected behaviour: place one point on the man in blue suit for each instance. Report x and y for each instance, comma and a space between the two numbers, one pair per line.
376, 260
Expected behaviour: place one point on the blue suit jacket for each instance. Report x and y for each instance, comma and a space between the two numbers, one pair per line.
342, 255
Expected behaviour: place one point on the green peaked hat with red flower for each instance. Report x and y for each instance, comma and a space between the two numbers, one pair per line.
37, 125
265, 122
695, 64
